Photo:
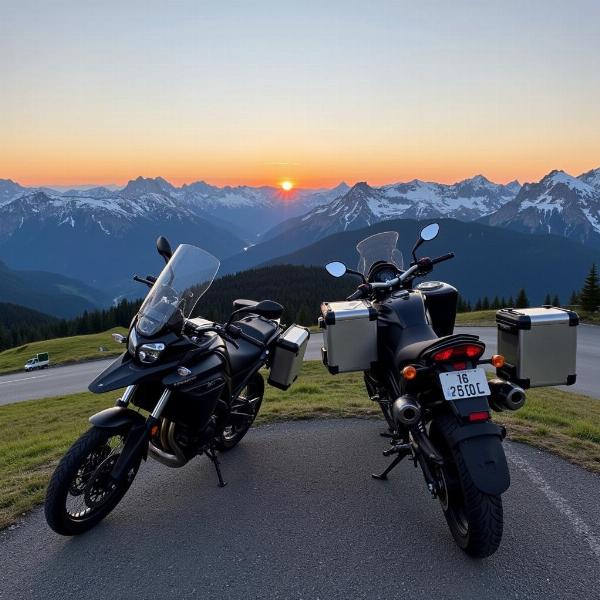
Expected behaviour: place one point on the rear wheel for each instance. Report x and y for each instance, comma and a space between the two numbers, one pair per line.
81, 491
475, 519
245, 407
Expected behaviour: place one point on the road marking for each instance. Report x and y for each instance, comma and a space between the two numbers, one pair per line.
560, 503
23, 379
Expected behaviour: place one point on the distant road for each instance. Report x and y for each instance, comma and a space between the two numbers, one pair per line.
75, 378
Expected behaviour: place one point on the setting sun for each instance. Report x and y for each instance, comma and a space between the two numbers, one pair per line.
287, 185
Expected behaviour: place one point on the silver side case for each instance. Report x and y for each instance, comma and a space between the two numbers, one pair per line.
288, 356
349, 335
539, 346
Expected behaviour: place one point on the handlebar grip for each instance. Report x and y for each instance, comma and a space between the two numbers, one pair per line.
357, 294
440, 259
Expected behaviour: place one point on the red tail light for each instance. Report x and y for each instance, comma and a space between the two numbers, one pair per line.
469, 351
482, 415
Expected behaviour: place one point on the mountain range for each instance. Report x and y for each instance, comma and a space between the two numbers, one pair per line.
490, 261
101, 236
559, 203
49, 293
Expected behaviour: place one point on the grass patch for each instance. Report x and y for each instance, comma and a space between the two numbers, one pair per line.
73, 349
35, 434
478, 318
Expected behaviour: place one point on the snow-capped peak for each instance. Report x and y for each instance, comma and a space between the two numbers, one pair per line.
591, 178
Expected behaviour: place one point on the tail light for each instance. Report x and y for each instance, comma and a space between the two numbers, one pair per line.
481, 415
463, 352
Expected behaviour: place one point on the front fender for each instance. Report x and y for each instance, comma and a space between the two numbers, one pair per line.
115, 417
480, 445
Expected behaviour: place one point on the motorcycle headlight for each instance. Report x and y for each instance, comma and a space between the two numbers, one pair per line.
149, 353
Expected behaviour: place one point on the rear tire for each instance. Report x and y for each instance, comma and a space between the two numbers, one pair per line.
475, 519
237, 428
80, 493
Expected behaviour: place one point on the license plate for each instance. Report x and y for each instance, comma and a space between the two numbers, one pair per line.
469, 383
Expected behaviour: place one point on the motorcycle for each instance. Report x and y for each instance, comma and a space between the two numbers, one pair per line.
199, 381
433, 393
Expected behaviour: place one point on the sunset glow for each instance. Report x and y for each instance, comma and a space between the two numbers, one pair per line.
286, 185
268, 94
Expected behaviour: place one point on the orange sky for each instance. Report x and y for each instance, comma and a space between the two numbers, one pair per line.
101, 93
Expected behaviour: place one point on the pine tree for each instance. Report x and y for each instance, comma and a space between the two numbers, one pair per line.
574, 298
510, 303
556, 301
478, 304
485, 304
547, 299
590, 293
522, 301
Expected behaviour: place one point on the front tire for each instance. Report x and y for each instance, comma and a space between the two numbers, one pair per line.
475, 519
81, 493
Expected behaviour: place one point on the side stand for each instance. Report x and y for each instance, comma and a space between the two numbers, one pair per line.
212, 456
402, 451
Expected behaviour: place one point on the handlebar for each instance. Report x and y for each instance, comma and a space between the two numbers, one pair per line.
413, 270
440, 259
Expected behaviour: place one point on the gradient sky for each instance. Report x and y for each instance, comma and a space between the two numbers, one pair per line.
319, 92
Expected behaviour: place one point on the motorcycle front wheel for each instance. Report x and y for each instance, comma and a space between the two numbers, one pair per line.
475, 519
81, 491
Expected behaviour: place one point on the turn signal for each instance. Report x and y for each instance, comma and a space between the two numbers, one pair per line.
154, 430
497, 361
409, 372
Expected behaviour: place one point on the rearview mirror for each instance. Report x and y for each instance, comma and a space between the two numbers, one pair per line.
429, 232
336, 269
164, 248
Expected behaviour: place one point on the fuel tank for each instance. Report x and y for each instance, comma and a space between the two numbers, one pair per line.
402, 320
440, 302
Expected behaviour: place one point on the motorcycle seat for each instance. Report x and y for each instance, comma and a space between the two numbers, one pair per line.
268, 309
415, 351
243, 303
248, 352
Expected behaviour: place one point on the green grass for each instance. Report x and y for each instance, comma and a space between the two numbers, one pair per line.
36, 433
78, 348
479, 318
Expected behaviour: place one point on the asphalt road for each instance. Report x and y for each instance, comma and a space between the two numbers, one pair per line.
301, 518
75, 378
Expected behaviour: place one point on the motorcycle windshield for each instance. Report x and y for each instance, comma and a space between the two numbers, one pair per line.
377, 248
183, 281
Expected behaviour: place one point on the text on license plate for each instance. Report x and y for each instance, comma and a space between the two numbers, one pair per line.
469, 383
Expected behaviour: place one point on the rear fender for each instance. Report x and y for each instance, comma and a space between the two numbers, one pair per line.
480, 445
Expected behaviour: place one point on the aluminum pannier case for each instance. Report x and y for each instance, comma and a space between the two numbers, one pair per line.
288, 356
349, 335
539, 345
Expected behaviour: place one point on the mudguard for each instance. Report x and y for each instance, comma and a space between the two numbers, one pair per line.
115, 417
480, 445
124, 372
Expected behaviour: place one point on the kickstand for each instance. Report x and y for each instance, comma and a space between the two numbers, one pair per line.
392, 465
212, 455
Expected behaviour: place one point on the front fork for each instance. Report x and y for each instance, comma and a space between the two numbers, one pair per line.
136, 442
138, 437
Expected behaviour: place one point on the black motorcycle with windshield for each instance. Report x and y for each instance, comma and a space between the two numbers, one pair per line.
198, 381
429, 383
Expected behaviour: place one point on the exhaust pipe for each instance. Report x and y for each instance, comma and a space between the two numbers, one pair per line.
506, 395
167, 440
406, 410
